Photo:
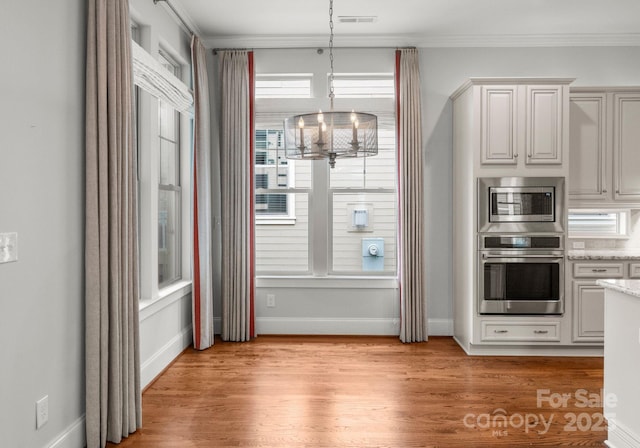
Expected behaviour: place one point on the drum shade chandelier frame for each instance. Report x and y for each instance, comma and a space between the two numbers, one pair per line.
333, 134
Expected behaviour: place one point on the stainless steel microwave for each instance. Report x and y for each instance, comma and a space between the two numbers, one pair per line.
521, 204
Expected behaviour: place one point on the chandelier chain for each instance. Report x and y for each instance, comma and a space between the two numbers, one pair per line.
331, 88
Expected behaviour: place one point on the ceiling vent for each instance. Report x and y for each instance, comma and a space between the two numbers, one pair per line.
357, 19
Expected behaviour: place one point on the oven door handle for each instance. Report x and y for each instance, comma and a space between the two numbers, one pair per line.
548, 257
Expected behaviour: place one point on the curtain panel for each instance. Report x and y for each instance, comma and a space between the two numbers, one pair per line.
236, 175
202, 293
113, 398
410, 198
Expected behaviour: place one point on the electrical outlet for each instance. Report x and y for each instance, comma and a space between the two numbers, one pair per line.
42, 411
578, 244
8, 247
271, 300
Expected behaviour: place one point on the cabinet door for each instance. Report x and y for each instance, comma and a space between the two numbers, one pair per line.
587, 147
588, 312
626, 146
544, 121
498, 125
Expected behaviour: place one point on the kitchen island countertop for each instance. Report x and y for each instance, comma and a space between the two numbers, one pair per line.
630, 287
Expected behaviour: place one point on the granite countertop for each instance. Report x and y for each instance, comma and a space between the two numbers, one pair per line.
603, 254
631, 287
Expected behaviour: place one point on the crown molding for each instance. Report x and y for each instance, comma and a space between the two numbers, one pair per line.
532, 40
426, 41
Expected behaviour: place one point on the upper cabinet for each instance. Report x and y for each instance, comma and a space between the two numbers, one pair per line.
626, 146
498, 118
545, 115
521, 124
605, 146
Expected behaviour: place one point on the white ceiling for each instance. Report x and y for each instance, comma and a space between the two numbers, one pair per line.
290, 23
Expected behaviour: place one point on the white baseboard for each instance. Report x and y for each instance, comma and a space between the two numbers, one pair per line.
328, 326
72, 437
440, 327
150, 368
620, 436
344, 326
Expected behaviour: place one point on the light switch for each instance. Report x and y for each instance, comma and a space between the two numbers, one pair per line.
8, 247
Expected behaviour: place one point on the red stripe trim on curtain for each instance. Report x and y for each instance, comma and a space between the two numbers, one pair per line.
398, 161
252, 265
196, 256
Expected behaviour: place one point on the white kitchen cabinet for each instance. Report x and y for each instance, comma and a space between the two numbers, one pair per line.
499, 121
588, 312
544, 131
523, 124
504, 127
626, 146
587, 298
598, 270
501, 331
604, 146
588, 146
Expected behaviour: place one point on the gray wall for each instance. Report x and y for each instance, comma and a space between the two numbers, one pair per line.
443, 70
42, 198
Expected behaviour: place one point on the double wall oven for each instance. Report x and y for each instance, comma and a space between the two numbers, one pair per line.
521, 245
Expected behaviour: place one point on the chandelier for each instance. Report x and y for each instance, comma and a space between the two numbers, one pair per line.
333, 134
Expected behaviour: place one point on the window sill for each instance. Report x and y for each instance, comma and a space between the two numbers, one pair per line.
350, 282
166, 297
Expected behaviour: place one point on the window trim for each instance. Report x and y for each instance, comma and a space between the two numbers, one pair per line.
147, 131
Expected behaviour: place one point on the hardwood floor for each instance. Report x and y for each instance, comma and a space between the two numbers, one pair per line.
369, 392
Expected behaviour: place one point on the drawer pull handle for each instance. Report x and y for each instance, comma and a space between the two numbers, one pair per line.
541, 331
500, 331
598, 270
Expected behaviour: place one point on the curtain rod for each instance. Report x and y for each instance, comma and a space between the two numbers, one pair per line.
319, 49
155, 2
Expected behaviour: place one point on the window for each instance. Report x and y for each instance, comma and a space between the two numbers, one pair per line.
585, 223
273, 173
169, 189
325, 238
283, 85
364, 85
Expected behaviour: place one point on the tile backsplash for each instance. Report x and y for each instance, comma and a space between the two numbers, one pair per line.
633, 242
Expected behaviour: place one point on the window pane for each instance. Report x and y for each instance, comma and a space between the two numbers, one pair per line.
168, 236
597, 223
369, 172
168, 163
168, 121
283, 86
284, 248
271, 204
359, 221
364, 86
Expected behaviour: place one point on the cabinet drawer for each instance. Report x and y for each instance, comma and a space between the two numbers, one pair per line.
634, 270
598, 270
521, 331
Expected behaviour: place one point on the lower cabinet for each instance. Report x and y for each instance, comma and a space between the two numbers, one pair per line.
493, 331
588, 312
588, 298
